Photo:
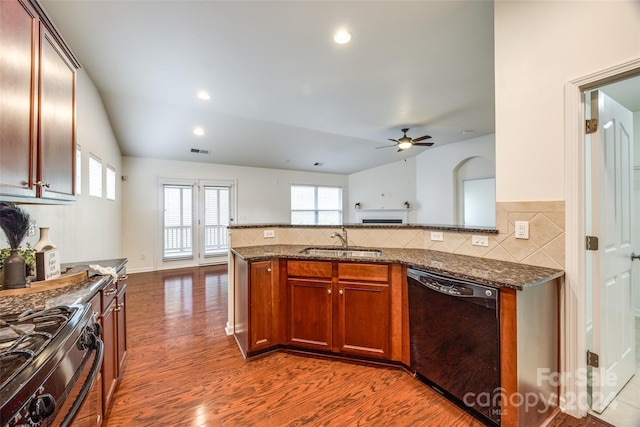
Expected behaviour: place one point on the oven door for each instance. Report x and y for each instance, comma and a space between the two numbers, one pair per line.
65, 395
83, 404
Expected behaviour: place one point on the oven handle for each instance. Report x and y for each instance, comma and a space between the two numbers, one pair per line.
95, 369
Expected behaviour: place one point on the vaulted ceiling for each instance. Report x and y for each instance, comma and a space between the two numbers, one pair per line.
283, 94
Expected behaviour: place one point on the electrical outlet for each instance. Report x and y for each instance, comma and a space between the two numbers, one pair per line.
480, 240
522, 230
32, 229
437, 236
269, 233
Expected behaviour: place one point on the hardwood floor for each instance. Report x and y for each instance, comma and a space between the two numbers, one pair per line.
183, 370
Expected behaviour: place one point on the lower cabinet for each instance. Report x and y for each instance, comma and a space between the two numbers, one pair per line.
257, 319
364, 314
329, 306
310, 304
339, 307
109, 306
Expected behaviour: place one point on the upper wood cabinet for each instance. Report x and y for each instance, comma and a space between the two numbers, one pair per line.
37, 106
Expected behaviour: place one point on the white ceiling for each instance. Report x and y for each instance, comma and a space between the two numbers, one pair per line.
283, 94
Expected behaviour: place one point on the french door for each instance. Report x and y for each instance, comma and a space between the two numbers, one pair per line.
214, 217
194, 221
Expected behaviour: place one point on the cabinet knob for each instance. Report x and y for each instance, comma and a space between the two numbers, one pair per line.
268, 270
341, 292
43, 184
329, 291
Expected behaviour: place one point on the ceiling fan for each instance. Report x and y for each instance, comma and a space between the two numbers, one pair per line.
405, 142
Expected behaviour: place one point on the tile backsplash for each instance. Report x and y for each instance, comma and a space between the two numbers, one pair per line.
545, 246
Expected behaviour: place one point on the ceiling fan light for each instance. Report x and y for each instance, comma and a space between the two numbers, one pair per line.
403, 145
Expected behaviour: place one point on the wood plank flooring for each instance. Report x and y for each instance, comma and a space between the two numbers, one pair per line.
183, 370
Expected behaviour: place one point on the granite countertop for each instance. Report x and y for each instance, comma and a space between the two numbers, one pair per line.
77, 293
445, 227
482, 270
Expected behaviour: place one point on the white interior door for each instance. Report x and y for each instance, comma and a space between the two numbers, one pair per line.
612, 223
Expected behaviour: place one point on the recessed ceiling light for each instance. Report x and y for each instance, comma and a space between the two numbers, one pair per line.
342, 37
198, 131
204, 95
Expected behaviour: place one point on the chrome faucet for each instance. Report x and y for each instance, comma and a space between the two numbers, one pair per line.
343, 238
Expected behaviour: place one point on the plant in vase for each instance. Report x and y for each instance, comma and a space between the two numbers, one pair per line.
29, 255
15, 224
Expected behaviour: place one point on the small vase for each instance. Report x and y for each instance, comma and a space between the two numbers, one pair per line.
15, 276
44, 243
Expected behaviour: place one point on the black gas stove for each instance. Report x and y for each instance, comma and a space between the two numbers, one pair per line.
48, 362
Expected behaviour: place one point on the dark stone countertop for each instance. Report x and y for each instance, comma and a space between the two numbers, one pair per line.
414, 226
482, 270
77, 293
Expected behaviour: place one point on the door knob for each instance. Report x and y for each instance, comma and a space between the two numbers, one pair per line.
634, 256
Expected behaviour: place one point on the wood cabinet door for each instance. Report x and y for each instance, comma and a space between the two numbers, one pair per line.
310, 313
121, 321
18, 43
364, 314
56, 121
262, 302
110, 358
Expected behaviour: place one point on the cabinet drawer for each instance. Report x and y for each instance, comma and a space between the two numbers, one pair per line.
359, 271
108, 294
309, 269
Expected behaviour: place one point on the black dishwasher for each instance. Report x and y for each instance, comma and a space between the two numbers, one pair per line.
454, 334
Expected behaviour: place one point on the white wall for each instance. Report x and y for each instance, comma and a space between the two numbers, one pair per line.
436, 180
384, 187
88, 229
263, 198
539, 47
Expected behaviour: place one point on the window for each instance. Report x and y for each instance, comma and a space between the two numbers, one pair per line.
78, 170
111, 183
312, 204
178, 221
95, 176
216, 219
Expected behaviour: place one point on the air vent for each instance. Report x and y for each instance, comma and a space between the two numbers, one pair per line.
199, 151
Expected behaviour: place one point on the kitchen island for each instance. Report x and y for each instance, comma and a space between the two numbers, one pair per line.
357, 307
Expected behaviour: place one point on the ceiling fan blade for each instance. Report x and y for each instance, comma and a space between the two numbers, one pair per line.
423, 144
422, 138
394, 140
387, 146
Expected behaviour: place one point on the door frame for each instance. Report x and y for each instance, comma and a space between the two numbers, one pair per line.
573, 298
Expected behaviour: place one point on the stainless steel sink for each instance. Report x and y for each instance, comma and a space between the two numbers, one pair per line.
366, 253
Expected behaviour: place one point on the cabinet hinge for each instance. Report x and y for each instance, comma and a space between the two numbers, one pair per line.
592, 126
593, 359
592, 243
